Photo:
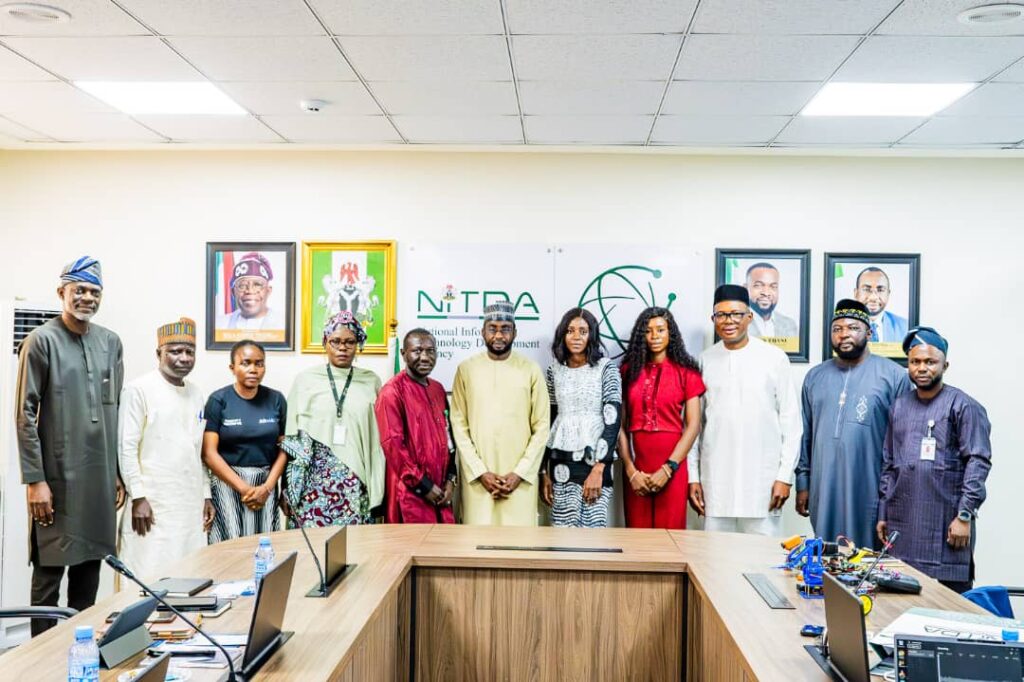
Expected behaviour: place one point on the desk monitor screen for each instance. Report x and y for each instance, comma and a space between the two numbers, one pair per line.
268, 613
335, 558
847, 638
938, 659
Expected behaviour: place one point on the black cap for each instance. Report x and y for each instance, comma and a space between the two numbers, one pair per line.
732, 292
855, 310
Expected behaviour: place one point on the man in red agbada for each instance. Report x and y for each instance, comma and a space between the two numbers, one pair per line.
412, 414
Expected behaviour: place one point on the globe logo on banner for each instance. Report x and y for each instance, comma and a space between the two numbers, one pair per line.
617, 296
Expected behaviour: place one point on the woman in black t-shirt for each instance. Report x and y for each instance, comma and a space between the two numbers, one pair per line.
244, 424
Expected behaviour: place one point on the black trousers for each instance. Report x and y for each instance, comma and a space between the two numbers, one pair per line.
958, 586
83, 582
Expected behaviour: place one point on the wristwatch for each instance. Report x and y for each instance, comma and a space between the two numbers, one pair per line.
965, 515
673, 465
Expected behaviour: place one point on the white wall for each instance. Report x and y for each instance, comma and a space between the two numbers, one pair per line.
147, 216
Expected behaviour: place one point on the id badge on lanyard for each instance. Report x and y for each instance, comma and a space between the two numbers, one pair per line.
340, 431
928, 444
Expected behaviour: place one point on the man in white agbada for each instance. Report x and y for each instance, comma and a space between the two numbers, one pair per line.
160, 428
741, 467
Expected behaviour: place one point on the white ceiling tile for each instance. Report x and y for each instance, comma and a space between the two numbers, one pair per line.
15, 68
587, 129
847, 130
594, 58
118, 58
430, 58
762, 58
334, 129
991, 99
88, 18
460, 129
969, 130
791, 17
226, 17
194, 128
402, 17
1014, 74
605, 16
891, 59
267, 58
600, 98
938, 18
25, 98
716, 130
18, 131
465, 98
283, 98
757, 98
89, 127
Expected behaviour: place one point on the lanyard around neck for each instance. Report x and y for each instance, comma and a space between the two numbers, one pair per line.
340, 400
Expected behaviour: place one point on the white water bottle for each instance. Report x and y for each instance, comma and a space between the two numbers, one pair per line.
264, 559
84, 657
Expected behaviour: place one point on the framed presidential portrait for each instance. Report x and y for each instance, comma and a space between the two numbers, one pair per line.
359, 277
779, 284
250, 289
888, 284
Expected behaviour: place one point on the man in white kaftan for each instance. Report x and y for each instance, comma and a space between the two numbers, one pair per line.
160, 429
741, 467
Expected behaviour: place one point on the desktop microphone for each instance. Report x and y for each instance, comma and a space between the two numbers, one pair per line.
885, 547
119, 566
319, 569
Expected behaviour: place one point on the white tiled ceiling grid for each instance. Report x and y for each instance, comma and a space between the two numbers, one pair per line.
609, 72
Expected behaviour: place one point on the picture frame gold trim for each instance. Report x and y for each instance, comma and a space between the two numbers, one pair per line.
311, 339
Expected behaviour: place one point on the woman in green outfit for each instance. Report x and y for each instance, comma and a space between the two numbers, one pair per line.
335, 472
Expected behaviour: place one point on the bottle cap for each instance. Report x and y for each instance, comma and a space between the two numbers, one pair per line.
1011, 636
83, 632
264, 540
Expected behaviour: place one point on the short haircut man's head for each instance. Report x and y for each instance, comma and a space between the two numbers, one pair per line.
873, 289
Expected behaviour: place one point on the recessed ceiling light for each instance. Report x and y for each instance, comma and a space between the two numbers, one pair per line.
1001, 13
34, 13
163, 97
884, 99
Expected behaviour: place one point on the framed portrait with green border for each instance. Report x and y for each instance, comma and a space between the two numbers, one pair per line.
779, 284
359, 277
889, 286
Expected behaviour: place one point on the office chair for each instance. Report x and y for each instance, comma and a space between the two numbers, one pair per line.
33, 612
995, 598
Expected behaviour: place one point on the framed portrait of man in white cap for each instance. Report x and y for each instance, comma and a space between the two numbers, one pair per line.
250, 290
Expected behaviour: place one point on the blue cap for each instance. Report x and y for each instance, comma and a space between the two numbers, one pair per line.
264, 540
1011, 636
924, 336
83, 632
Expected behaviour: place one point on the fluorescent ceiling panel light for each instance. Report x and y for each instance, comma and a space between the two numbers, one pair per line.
163, 97
885, 99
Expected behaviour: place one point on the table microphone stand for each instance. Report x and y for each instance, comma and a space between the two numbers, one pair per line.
119, 566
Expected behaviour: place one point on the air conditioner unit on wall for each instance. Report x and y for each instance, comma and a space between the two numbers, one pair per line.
17, 319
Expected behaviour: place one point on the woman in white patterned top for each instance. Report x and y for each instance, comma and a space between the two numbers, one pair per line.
586, 406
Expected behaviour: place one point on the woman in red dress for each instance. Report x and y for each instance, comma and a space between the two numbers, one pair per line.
661, 386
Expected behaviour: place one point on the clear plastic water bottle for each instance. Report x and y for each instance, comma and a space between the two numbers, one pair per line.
264, 559
84, 657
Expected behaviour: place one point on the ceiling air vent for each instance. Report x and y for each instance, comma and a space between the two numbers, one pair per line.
989, 15
33, 13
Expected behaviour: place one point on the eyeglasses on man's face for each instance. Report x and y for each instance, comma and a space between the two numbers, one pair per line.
255, 286
736, 316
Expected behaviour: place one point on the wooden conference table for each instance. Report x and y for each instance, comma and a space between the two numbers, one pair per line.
423, 603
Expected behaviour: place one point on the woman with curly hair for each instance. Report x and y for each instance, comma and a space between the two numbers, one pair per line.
662, 387
335, 474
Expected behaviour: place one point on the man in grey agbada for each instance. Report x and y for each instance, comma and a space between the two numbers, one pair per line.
70, 373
